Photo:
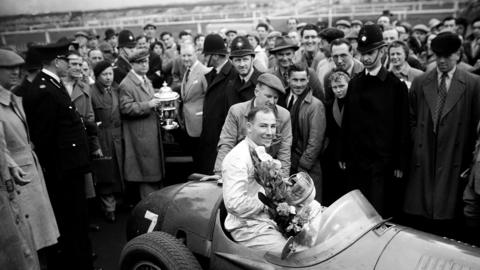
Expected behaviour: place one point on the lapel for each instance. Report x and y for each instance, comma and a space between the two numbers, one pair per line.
221, 75
192, 77
135, 80
78, 90
430, 91
114, 97
455, 92
10, 100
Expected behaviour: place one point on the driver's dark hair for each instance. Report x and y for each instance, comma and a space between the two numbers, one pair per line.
298, 67
263, 108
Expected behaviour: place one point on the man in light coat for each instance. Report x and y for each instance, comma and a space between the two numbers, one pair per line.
267, 91
247, 220
144, 162
444, 112
192, 94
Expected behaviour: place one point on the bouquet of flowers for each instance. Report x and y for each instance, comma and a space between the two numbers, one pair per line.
277, 192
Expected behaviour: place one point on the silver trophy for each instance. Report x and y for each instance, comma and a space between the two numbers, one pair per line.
167, 107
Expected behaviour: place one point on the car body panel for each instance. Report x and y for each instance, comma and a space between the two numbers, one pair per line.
195, 211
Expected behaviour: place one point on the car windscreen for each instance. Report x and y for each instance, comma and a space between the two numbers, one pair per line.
342, 223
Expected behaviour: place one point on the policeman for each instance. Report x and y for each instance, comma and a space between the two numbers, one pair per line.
375, 127
60, 140
126, 47
241, 55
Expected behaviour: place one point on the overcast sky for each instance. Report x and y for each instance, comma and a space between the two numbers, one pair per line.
13, 7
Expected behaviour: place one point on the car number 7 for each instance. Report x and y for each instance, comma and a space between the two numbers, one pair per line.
153, 218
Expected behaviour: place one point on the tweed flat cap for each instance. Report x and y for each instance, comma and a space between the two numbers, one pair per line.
344, 23
81, 34
357, 22
446, 43
149, 25
105, 47
274, 34
421, 27
10, 59
271, 81
138, 56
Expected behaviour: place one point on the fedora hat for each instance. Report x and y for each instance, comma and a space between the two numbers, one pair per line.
282, 43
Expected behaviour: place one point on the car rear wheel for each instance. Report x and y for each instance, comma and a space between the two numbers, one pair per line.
155, 251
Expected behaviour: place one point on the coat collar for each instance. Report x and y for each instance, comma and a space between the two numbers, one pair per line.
134, 78
80, 88
455, 92
5, 96
222, 74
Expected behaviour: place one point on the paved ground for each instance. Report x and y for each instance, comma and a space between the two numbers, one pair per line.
109, 241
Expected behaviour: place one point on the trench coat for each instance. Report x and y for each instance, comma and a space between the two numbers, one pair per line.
246, 91
16, 241
309, 144
144, 161
434, 189
107, 113
218, 98
32, 198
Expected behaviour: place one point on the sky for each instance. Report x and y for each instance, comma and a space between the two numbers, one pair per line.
15, 7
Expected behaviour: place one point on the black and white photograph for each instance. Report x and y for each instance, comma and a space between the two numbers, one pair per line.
239, 134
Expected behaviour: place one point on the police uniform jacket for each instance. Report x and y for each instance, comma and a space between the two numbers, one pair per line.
218, 99
246, 90
121, 69
57, 130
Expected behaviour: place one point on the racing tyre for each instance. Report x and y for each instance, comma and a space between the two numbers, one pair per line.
157, 250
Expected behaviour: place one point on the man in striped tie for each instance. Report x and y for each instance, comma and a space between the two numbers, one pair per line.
444, 112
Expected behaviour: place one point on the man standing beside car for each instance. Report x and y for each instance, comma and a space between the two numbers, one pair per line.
143, 150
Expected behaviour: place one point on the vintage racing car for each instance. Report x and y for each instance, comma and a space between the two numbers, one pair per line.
181, 227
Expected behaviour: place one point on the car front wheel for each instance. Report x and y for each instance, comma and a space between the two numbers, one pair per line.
157, 250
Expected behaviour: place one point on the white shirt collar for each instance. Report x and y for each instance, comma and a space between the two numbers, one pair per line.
219, 68
249, 75
51, 74
141, 78
449, 74
373, 72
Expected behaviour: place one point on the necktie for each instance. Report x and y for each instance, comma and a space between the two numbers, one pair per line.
285, 78
187, 75
290, 104
441, 97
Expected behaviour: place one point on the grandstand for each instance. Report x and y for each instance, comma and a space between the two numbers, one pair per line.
20, 29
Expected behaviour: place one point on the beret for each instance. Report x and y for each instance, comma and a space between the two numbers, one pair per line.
109, 33
330, 34
434, 22
421, 27
10, 59
343, 22
100, 67
138, 56
446, 43
271, 81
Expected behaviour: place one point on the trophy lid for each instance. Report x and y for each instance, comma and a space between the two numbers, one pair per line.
166, 93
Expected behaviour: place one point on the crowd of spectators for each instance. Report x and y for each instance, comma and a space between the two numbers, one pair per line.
382, 106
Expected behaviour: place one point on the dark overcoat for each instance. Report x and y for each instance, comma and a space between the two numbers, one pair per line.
121, 69
375, 134
438, 159
107, 114
246, 91
144, 160
219, 96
